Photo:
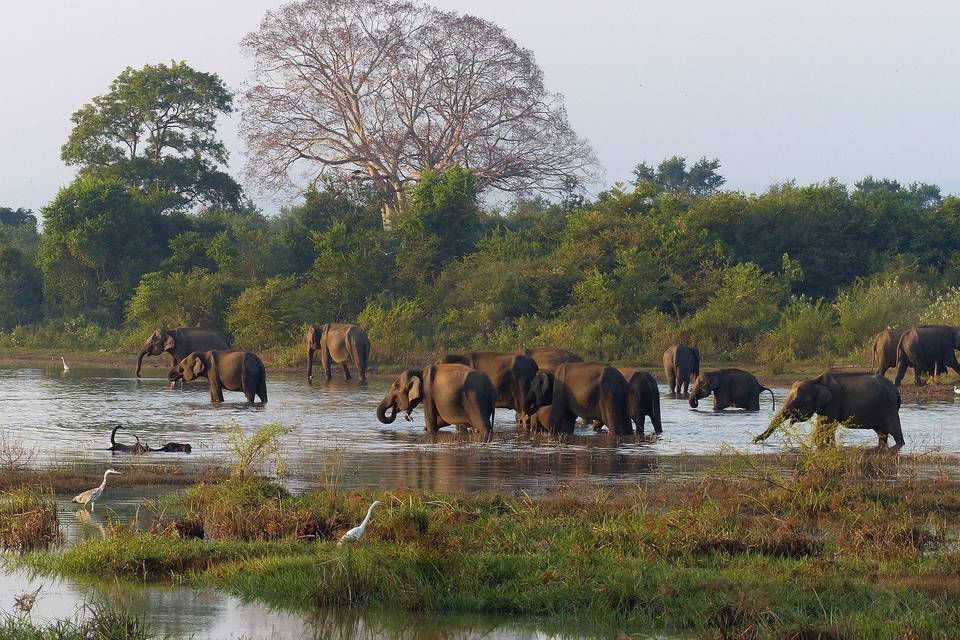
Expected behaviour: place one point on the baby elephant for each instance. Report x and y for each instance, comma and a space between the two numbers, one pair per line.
230, 370
730, 388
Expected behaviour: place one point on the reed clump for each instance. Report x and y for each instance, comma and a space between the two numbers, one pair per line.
28, 520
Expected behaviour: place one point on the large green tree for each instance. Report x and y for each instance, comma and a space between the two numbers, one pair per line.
156, 129
99, 239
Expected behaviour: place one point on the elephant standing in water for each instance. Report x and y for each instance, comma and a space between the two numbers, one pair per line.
230, 370
180, 342
510, 373
339, 343
644, 398
858, 400
928, 349
590, 390
680, 364
452, 394
730, 388
885, 350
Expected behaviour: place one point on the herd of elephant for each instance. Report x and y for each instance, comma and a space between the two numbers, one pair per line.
549, 389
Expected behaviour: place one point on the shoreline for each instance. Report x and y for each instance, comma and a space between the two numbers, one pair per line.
103, 358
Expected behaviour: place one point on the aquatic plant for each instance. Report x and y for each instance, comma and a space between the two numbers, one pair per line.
28, 520
255, 453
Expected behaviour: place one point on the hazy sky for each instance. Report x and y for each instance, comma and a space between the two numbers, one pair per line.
776, 90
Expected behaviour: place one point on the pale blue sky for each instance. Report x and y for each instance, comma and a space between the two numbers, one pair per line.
776, 90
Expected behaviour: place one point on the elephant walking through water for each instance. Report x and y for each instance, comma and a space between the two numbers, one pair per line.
929, 349
856, 400
339, 343
680, 364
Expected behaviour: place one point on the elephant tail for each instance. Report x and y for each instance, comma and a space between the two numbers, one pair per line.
773, 399
614, 409
655, 409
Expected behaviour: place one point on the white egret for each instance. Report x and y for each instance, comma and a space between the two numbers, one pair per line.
357, 532
92, 495
66, 367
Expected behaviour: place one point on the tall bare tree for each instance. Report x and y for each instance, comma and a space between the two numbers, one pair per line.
385, 89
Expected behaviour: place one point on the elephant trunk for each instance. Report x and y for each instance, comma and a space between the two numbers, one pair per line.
382, 414
140, 355
694, 402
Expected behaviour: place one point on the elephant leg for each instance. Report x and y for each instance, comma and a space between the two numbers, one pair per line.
754, 402
346, 371
216, 392
892, 427
262, 389
640, 420
902, 366
672, 381
882, 439
310, 363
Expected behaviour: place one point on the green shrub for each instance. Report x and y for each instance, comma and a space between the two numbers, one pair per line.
806, 329
866, 308
195, 299
63, 333
269, 315
746, 303
945, 309
392, 329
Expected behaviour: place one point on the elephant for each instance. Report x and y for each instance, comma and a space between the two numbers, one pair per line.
339, 343
928, 349
644, 398
680, 364
856, 399
230, 370
180, 342
885, 350
550, 359
510, 373
590, 390
730, 388
452, 394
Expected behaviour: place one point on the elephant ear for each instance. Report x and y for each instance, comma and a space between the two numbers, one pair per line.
415, 392
169, 343
545, 388
822, 395
197, 366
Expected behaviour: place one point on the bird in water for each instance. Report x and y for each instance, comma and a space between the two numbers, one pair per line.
66, 367
357, 532
92, 495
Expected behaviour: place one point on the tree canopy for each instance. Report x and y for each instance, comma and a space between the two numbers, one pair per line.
156, 129
387, 90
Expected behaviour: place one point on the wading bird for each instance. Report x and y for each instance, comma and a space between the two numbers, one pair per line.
92, 495
357, 532
66, 367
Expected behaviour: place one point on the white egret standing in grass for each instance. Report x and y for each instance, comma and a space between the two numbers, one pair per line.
66, 367
92, 495
357, 532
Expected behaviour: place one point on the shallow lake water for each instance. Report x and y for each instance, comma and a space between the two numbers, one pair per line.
336, 438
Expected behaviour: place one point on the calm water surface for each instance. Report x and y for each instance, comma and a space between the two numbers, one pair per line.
67, 416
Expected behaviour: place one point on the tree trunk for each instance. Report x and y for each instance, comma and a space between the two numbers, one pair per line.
395, 207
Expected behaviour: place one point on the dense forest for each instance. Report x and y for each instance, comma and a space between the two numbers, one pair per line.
153, 232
